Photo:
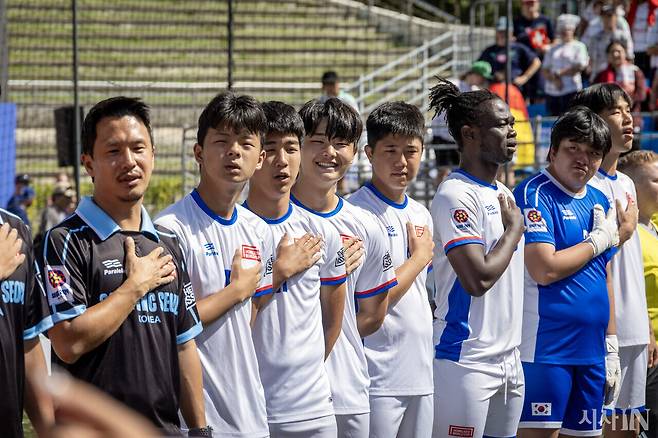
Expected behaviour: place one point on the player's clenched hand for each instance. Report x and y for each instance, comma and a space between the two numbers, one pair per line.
294, 258
511, 214
353, 252
420, 242
10, 251
245, 280
627, 218
148, 272
605, 233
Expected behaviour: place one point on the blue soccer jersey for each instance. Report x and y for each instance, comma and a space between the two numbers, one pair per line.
564, 322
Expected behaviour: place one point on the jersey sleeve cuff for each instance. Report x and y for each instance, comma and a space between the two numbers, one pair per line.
377, 290
466, 240
264, 290
430, 267
39, 328
191, 333
68, 313
332, 281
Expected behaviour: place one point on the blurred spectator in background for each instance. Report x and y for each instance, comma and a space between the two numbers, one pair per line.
331, 88
535, 31
627, 75
563, 65
642, 19
591, 19
22, 198
63, 203
525, 62
597, 43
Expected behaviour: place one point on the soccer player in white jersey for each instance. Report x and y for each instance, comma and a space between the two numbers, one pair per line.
612, 103
332, 130
568, 349
296, 330
478, 273
399, 354
229, 254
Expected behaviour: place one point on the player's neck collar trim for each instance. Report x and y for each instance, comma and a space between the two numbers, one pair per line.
559, 185
339, 206
207, 210
104, 226
476, 179
612, 177
271, 221
381, 196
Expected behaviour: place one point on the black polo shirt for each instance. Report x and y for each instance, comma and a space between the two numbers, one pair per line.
23, 315
83, 262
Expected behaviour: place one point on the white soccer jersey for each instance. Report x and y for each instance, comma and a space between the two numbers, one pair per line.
346, 365
399, 354
466, 210
288, 332
232, 390
627, 268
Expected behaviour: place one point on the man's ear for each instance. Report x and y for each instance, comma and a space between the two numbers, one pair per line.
198, 153
468, 133
88, 162
369, 152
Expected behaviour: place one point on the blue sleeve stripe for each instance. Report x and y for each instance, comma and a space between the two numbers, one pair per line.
333, 280
264, 291
191, 333
377, 290
68, 313
39, 328
430, 268
462, 241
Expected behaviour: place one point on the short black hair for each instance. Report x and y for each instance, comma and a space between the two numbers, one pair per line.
239, 112
582, 125
342, 120
461, 108
600, 97
397, 118
283, 119
114, 107
616, 41
329, 77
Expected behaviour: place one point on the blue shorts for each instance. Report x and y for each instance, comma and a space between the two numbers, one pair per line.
565, 397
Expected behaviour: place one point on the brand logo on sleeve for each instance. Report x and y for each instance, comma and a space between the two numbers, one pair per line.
58, 280
188, 293
250, 252
387, 262
541, 409
460, 215
340, 258
269, 266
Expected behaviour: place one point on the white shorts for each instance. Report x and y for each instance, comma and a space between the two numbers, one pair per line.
634, 363
323, 427
401, 416
473, 400
353, 425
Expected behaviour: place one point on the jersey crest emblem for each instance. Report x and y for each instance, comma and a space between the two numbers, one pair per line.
387, 262
419, 231
57, 284
340, 258
250, 252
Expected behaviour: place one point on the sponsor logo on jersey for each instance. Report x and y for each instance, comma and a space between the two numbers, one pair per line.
210, 250
541, 409
58, 280
340, 258
390, 229
387, 262
461, 431
250, 252
112, 266
188, 292
269, 266
568, 215
460, 219
534, 222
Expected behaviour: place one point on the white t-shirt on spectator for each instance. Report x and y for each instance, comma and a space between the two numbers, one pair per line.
561, 56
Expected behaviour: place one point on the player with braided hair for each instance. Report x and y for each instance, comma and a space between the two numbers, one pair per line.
478, 379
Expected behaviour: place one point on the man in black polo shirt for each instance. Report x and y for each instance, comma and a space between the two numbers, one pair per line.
23, 315
120, 297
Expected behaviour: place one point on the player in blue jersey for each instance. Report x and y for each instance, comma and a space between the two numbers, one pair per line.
568, 344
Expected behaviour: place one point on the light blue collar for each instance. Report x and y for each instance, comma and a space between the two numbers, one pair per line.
104, 226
